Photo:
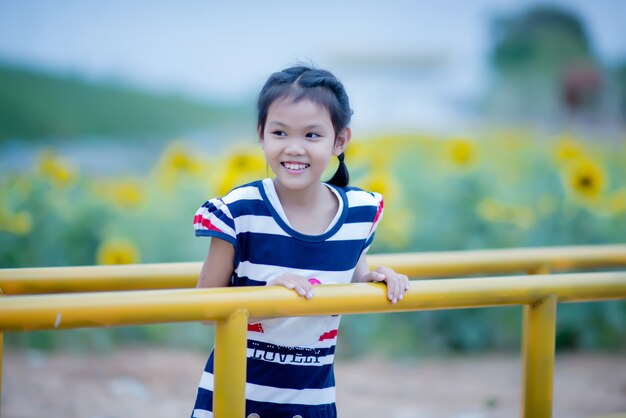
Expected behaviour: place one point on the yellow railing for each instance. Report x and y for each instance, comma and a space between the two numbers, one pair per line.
231, 307
435, 264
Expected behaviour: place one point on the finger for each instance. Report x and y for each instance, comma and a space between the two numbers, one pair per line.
376, 276
300, 289
281, 281
391, 291
397, 289
304, 289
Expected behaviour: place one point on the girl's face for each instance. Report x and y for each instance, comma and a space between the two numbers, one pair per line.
299, 141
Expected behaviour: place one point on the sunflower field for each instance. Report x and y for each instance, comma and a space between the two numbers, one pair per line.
501, 189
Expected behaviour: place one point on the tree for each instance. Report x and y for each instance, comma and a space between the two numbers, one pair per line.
543, 63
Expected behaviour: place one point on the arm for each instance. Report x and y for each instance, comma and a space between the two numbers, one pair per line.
397, 284
217, 267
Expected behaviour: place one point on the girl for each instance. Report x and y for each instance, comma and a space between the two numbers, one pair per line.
295, 231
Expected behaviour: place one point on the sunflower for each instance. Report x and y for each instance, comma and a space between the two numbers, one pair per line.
586, 179
57, 170
380, 181
504, 212
177, 160
241, 166
461, 152
19, 223
117, 251
125, 193
568, 149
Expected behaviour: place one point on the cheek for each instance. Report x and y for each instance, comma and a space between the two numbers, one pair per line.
271, 151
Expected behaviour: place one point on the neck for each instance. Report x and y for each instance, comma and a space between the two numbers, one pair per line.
303, 198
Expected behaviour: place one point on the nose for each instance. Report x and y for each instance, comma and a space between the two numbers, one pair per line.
295, 146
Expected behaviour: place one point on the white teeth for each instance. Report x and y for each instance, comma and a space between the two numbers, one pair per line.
295, 166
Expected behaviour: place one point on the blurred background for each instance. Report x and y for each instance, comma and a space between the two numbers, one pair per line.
486, 124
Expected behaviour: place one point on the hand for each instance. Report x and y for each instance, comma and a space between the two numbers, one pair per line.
300, 284
397, 284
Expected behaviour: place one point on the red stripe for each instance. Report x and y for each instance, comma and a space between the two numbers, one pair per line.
329, 335
380, 210
256, 327
198, 219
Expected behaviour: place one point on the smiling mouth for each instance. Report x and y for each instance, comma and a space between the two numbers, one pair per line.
295, 166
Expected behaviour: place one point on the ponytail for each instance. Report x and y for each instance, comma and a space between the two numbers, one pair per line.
341, 178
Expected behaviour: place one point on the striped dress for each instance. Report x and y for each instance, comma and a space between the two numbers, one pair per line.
290, 360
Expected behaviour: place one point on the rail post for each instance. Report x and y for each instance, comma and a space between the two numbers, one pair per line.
539, 328
1, 353
1, 357
229, 389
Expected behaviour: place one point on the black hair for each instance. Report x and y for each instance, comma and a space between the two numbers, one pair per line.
319, 86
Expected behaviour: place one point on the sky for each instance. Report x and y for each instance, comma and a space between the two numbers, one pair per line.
226, 50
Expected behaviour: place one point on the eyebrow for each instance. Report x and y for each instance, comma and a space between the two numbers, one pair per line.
284, 125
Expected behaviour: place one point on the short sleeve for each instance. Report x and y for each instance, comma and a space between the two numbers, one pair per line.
379, 203
214, 219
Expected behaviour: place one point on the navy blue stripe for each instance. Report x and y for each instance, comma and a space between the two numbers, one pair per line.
204, 401
248, 207
272, 410
289, 376
357, 189
283, 251
261, 370
245, 281
361, 214
209, 364
216, 234
213, 210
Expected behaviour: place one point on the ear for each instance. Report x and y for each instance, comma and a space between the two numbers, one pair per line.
342, 141
260, 134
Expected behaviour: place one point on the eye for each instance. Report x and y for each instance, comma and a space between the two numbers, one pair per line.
313, 135
279, 133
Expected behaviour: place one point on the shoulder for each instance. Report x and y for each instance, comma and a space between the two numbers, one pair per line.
359, 197
249, 191
242, 200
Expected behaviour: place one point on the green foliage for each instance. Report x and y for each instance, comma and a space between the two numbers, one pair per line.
186, 335
541, 39
40, 105
506, 189
544, 68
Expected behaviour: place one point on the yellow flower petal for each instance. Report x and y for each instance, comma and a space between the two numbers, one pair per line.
117, 251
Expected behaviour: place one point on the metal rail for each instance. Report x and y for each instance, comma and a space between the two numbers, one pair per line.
539, 294
433, 264
230, 307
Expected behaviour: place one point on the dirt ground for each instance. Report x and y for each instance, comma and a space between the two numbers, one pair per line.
161, 383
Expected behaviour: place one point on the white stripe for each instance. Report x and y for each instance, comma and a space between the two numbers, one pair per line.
322, 361
201, 413
265, 273
261, 393
206, 382
267, 225
259, 224
242, 193
352, 231
290, 396
361, 198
